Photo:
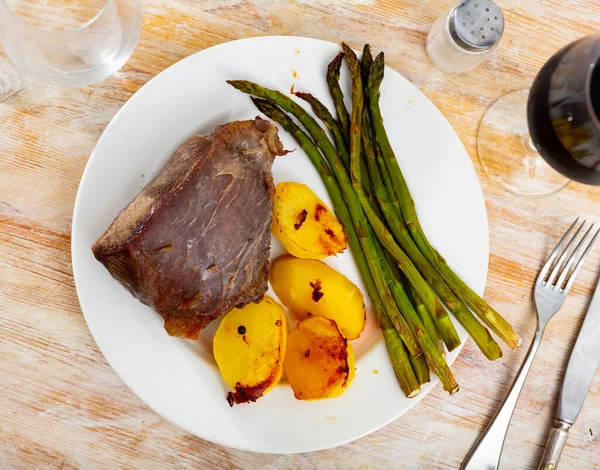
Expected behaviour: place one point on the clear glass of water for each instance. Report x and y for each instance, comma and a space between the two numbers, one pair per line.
70, 42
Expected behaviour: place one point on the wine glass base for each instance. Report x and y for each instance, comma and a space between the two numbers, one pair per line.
507, 154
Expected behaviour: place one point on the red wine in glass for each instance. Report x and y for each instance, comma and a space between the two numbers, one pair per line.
533, 143
563, 111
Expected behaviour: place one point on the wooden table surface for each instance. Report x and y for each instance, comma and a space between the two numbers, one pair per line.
61, 405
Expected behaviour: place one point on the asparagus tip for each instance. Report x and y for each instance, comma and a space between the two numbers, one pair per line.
367, 56
377, 71
238, 84
304, 96
348, 52
265, 107
335, 65
366, 62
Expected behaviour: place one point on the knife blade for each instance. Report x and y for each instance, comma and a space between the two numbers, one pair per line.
582, 366
581, 369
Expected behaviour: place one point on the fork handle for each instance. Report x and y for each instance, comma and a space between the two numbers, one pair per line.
554, 447
485, 455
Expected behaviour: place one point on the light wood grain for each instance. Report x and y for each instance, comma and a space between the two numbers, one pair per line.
62, 406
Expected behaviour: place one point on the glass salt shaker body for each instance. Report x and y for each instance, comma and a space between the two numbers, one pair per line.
465, 35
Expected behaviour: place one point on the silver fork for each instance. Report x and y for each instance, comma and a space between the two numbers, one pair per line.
549, 297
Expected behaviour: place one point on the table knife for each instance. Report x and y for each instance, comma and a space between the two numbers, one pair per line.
581, 369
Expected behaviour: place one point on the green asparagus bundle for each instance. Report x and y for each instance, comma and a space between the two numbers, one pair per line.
411, 286
407, 206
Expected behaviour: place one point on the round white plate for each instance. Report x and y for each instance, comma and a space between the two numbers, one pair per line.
178, 378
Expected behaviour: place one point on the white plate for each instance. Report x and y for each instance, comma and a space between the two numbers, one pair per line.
178, 378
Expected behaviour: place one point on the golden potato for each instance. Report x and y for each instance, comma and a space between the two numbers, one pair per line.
310, 287
319, 361
249, 347
303, 223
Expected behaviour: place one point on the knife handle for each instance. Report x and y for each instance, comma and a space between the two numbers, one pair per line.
554, 447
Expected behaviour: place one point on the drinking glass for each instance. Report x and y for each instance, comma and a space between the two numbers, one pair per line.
534, 142
70, 42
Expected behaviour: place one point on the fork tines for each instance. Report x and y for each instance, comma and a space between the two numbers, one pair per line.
561, 271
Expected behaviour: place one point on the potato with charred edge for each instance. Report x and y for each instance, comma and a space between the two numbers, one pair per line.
249, 347
304, 224
310, 287
319, 361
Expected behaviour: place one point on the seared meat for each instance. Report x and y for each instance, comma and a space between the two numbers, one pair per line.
195, 242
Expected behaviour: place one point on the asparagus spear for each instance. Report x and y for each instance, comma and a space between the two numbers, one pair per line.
400, 361
435, 360
387, 180
333, 82
400, 357
428, 322
366, 62
365, 67
420, 368
361, 225
489, 316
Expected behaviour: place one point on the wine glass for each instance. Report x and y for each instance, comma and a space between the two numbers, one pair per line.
534, 142
70, 42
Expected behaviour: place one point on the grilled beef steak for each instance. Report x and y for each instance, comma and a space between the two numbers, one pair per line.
195, 242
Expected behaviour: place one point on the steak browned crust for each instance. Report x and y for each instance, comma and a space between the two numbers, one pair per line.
195, 241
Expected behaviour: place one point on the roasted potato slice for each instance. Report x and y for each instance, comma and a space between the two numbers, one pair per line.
319, 361
310, 287
304, 224
249, 347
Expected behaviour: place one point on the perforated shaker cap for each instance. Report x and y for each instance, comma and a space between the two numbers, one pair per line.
476, 25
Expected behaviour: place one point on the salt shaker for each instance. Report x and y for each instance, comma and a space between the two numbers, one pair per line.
465, 35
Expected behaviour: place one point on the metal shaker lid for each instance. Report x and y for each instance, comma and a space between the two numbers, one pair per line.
476, 25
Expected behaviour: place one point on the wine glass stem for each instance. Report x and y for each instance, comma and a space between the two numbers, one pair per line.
529, 146
532, 155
